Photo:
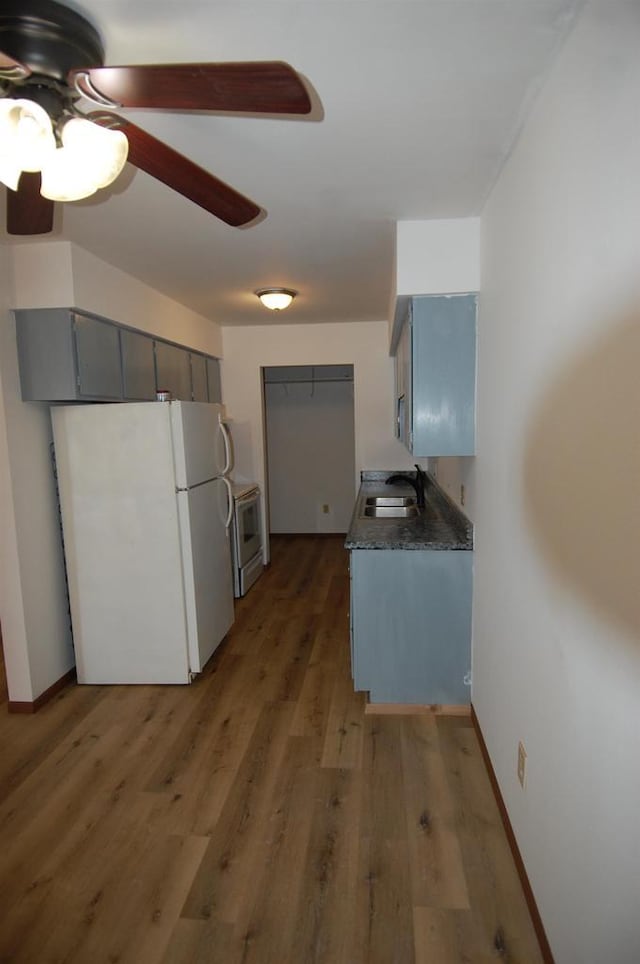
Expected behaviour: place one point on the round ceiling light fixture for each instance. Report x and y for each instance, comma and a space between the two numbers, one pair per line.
276, 299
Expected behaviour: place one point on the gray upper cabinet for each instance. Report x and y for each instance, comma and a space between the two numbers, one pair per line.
199, 386
435, 376
213, 380
138, 366
66, 355
173, 370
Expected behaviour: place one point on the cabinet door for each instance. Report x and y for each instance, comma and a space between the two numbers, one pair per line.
173, 371
138, 366
443, 356
45, 354
405, 400
199, 378
97, 345
412, 625
213, 378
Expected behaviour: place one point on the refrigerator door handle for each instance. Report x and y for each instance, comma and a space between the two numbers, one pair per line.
230, 497
227, 445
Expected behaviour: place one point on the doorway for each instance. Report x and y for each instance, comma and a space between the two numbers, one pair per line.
310, 443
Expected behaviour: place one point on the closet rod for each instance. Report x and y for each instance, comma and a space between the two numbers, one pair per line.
305, 381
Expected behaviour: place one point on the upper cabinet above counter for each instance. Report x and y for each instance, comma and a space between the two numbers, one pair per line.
435, 374
67, 355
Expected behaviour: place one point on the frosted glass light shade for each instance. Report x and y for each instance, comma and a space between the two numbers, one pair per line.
26, 135
276, 299
90, 158
103, 149
66, 178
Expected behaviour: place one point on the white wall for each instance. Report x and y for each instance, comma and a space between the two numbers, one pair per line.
33, 608
59, 274
363, 345
310, 447
556, 493
436, 257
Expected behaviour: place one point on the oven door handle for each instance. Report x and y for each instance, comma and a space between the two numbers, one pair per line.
229, 499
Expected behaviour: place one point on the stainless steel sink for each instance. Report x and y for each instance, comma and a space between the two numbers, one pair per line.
391, 511
390, 500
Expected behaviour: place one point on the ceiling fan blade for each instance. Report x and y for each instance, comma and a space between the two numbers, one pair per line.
28, 212
11, 69
268, 87
179, 173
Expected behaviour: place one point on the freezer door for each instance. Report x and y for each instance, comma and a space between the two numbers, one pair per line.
198, 443
207, 568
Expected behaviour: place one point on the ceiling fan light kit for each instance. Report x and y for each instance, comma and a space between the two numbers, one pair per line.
90, 158
51, 57
276, 299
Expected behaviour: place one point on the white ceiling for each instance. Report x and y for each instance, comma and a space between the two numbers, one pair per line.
421, 101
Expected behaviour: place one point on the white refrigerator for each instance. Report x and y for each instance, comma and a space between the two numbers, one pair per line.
145, 507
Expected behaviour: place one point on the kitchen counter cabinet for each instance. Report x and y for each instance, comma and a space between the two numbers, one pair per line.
411, 625
411, 592
435, 366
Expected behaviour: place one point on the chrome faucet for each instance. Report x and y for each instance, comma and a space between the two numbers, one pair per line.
418, 483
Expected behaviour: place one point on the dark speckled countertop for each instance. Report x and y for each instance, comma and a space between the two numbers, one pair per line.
440, 525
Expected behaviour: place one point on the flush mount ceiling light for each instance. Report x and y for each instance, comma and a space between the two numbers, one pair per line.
276, 299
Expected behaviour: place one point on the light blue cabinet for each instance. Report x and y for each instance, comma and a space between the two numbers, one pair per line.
67, 355
173, 371
411, 625
213, 380
138, 365
436, 375
199, 387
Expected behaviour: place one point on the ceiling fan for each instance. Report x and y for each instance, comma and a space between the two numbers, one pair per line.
50, 57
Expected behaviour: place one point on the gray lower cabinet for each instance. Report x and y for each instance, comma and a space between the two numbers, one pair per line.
173, 370
199, 385
411, 625
66, 355
138, 366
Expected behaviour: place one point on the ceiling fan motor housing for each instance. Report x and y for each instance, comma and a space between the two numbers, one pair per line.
48, 38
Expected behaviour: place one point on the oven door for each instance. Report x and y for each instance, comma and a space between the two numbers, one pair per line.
248, 535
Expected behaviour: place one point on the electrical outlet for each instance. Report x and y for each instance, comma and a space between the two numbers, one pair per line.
325, 509
522, 764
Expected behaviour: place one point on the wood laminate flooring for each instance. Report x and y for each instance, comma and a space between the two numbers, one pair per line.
258, 815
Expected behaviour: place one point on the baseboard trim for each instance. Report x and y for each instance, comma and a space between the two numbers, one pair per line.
538, 926
19, 706
297, 535
412, 709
